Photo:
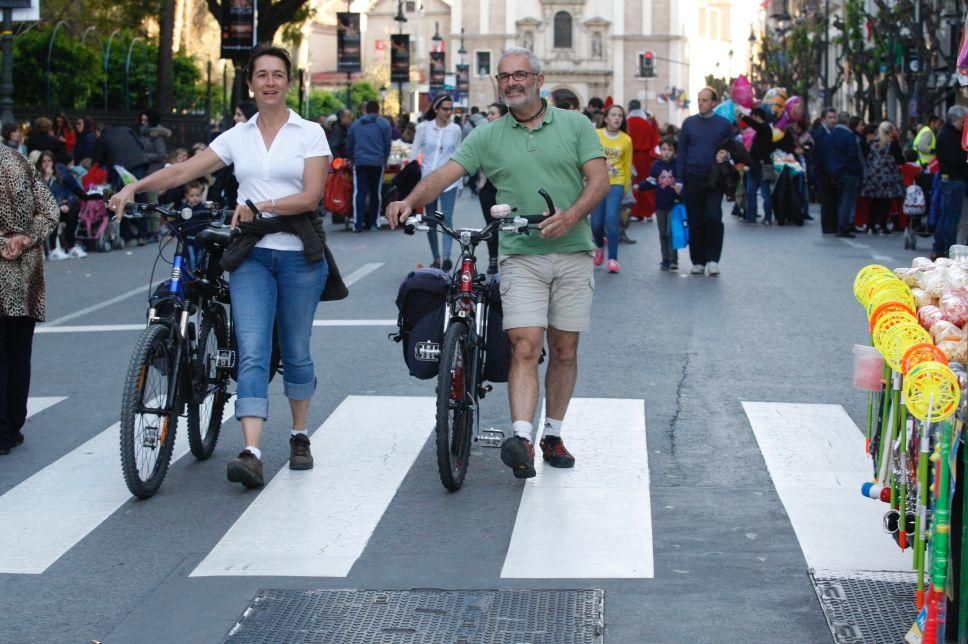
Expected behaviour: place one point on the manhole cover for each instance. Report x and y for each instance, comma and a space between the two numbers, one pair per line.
864, 607
424, 616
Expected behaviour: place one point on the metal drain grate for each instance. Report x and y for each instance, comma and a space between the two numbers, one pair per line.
424, 616
866, 607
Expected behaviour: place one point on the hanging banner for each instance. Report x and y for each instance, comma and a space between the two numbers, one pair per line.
463, 81
437, 73
400, 58
239, 22
348, 42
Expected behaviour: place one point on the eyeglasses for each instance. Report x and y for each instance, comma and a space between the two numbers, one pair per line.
519, 75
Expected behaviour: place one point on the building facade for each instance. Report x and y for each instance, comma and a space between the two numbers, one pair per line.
587, 47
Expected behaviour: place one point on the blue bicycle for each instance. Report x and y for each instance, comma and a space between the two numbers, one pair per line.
183, 361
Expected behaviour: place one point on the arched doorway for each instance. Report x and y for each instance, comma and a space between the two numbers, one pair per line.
564, 94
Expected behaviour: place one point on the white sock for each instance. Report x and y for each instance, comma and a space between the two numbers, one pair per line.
552, 427
522, 428
255, 451
295, 432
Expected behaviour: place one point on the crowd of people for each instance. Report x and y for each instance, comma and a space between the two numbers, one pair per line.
859, 173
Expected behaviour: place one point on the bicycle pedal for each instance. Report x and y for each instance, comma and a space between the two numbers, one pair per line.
491, 437
225, 359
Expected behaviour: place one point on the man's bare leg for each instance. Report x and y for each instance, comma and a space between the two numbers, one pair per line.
516, 453
526, 344
562, 371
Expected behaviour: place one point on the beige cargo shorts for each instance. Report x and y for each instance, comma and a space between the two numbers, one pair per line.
547, 290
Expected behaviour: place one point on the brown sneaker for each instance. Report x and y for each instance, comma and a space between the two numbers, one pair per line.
518, 454
246, 469
554, 453
300, 458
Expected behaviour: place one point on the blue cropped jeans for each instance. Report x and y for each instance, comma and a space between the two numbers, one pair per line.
606, 220
274, 286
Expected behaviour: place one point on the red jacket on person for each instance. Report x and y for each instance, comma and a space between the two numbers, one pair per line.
645, 140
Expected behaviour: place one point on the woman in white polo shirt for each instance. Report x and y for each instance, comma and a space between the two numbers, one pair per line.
280, 162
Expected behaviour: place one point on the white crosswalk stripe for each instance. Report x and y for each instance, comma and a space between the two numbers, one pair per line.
37, 404
48, 513
593, 521
316, 523
815, 456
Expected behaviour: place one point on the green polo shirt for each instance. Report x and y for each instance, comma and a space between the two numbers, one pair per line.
518, 161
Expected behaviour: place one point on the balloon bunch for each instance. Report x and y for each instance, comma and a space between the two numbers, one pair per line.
915, 416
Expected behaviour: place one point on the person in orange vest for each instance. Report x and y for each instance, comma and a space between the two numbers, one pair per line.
645, 140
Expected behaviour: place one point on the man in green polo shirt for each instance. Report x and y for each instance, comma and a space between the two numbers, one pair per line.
547, 280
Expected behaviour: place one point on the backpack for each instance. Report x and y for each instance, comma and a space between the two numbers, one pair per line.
421, 301
338, 193
914, 202
497, 358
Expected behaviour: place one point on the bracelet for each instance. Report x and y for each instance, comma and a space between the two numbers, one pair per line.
273, 202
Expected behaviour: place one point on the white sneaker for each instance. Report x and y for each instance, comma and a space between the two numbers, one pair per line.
57, 254
698, 269
77, 252
382, 222
713, 268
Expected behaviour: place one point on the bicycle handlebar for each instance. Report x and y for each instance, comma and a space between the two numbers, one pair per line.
519, 224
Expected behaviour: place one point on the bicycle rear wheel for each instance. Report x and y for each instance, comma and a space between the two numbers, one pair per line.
147, 431
210, 387
455, 407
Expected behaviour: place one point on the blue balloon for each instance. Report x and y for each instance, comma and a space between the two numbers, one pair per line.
727, 110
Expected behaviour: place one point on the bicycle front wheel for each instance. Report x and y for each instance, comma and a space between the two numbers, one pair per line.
210, 386
147, 430
455, 407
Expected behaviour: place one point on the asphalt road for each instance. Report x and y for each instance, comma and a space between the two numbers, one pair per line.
777, 325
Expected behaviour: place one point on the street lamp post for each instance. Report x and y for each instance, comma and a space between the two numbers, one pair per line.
127, 74
107, 58
400, 18
782, 23
50, 51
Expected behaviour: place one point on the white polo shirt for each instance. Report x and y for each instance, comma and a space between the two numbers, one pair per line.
274, 173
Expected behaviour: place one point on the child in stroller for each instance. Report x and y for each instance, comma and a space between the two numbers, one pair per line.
96, 230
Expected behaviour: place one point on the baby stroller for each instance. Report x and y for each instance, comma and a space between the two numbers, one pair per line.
916, 208
96, 229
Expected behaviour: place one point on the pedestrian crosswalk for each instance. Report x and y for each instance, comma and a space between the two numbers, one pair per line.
593, 521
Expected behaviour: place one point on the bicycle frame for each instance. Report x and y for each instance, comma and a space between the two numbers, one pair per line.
181, 332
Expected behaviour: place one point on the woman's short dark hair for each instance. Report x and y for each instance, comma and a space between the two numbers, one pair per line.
8, 129
500, 107
431, 113
268, 50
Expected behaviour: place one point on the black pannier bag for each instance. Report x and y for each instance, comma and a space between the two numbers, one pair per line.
421, 301
497, 358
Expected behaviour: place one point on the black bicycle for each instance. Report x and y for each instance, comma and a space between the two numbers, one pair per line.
463, 351
182, 363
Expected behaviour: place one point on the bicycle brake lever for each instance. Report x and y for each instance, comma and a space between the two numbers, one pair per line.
255, 211
547, 198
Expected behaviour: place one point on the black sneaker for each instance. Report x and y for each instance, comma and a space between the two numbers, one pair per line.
300, 458
446, 266
246, 469
518, 454
554, 453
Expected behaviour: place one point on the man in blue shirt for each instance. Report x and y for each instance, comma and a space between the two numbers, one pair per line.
368, 146
700, 147
845, 163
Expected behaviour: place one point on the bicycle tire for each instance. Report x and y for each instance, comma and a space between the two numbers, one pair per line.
207, 379
455, 410
147, 379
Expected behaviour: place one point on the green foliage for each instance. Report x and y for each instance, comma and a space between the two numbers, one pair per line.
721, 85
76, 76
77, 72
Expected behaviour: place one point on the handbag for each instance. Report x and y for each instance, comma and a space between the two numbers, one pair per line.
679, 226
